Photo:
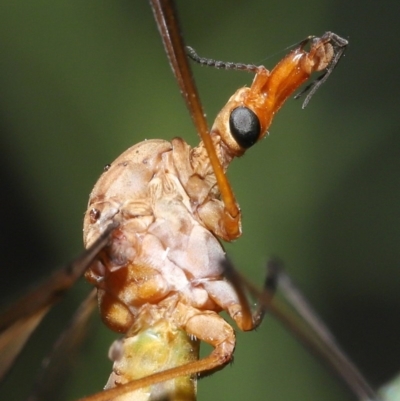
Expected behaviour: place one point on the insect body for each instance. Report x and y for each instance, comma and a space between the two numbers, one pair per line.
161, 280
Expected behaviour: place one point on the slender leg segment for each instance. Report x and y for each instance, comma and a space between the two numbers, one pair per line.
205, 326
173, 202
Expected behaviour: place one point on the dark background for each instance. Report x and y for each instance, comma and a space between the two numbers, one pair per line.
80, 81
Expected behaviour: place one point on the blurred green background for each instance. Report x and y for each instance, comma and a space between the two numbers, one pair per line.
80, 81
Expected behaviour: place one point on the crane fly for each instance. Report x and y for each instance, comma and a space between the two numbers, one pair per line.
152, 228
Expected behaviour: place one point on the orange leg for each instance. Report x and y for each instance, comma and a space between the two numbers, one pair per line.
209, 327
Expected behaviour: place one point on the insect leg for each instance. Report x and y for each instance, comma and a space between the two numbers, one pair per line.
316, 336
207, 326
292, 309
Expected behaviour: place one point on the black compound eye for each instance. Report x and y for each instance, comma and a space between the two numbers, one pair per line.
245, 126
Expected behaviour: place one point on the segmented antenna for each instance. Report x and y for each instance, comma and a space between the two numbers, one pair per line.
226, 65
